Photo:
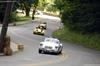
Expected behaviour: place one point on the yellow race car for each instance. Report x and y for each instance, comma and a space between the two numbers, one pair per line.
39, 30
44, 25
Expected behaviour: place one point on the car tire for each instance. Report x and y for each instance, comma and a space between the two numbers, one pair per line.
40, 51
60, 52
45, 28
33, 32
56, 53
42, 34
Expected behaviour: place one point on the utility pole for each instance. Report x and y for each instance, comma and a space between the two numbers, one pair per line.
5, 23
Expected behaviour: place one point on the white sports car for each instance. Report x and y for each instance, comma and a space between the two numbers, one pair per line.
50, 45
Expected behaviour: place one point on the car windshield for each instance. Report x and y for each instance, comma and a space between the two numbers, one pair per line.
51, 40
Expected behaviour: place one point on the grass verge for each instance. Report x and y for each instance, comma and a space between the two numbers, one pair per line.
22, 18
87, 40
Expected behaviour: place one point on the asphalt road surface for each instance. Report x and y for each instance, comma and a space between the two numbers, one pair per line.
72, 55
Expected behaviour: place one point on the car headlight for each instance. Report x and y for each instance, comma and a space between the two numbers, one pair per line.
41, 44
43, 31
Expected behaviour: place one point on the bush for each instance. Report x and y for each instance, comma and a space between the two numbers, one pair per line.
13, 17
80, 15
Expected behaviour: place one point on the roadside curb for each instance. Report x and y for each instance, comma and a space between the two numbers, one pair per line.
20, 23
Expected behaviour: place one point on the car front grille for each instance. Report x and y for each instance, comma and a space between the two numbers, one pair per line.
48, 47
39, 32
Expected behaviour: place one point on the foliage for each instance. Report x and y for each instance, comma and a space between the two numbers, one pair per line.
3, 8
80, 15
87, 40
42, 4
47, 5
52, 8
27, 4
15, 18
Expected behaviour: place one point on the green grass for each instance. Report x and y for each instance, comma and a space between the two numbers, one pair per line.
15, 18
87, 40
19, 19
24, 18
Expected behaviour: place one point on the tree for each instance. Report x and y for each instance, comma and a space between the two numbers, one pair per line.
42, 4
2, 10
52, 8
80, 15
27, 4
34, 7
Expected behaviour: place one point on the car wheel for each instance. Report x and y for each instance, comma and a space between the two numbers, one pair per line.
40, 51
45, 28
42, 34
33, 32
60, 52
56, 53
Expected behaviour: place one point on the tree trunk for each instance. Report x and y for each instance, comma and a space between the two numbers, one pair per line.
5, 25
27, 10
33, 12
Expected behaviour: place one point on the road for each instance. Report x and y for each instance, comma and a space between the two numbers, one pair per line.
73, 55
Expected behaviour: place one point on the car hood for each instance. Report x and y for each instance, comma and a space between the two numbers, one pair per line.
49, 44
